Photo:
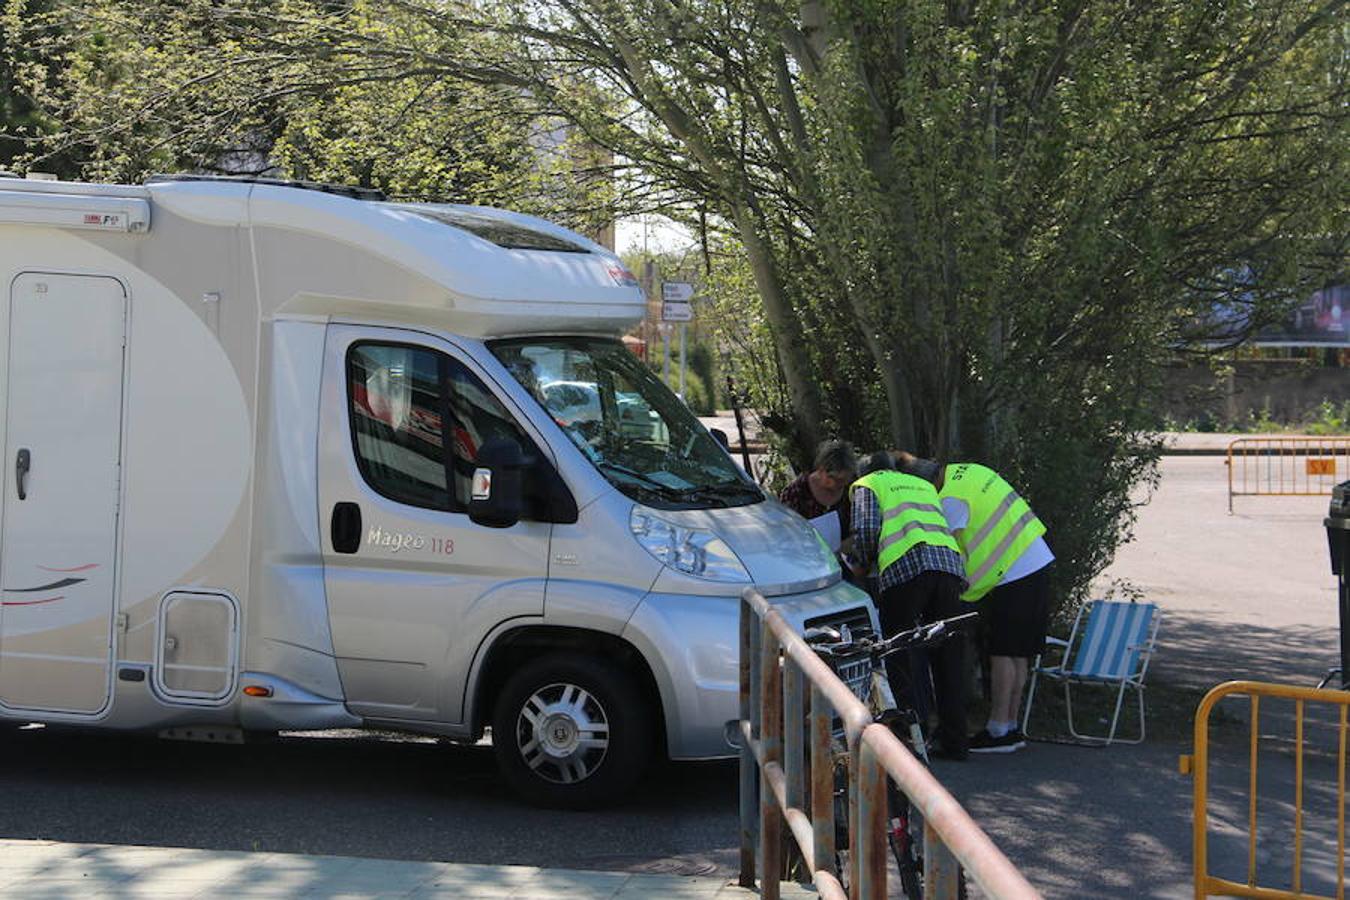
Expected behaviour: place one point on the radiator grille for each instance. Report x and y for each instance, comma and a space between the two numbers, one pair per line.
854, 671
858, 620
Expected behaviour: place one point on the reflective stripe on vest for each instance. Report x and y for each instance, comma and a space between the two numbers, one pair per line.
910, 515
1000, 529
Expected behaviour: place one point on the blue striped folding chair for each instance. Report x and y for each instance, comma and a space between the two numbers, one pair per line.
1112, 650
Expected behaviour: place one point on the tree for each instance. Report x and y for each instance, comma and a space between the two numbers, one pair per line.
1012, 207
972, 229
301, 89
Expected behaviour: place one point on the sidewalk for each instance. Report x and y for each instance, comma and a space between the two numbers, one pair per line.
36, 870
1199, 443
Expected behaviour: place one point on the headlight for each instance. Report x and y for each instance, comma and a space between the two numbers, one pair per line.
690, 550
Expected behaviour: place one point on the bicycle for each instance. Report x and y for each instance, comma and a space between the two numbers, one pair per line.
858, 661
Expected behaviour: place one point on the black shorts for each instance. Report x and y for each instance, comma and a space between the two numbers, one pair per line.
1017, 615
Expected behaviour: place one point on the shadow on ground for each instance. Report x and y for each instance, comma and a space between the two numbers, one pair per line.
1196, 650
351, 795
1116, 821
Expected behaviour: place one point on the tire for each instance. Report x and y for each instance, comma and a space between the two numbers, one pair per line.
905, 836
907, 848
571, 732
907, 845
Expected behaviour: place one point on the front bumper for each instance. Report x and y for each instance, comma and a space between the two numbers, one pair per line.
692, 644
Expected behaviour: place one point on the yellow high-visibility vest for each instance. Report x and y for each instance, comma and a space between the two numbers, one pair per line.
1000, 529
910, 515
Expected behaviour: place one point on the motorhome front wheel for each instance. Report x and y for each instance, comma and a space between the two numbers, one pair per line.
571, 731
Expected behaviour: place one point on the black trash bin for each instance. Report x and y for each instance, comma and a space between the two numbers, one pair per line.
1338, 541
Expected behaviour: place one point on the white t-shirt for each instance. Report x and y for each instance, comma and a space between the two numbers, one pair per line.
1036, 557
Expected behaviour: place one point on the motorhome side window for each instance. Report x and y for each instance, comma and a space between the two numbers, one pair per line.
418, 419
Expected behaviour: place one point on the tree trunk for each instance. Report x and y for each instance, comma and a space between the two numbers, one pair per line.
787, 334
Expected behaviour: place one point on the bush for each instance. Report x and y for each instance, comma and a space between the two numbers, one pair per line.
701, 362
1329, 419
696, 394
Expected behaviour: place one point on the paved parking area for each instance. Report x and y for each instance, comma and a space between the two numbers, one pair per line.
1244, 596
1248, 596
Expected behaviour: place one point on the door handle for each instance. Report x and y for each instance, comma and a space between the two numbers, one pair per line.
22, 464
345, 528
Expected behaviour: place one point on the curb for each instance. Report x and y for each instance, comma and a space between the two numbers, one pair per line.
1196, 451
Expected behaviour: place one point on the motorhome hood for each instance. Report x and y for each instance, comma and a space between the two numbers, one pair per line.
780, 549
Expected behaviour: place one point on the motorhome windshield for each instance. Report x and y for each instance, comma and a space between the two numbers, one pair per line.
627, 422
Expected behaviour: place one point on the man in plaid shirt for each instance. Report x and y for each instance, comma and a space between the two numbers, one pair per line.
922, 585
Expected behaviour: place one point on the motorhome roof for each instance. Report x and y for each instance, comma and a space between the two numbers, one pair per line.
496, 272
342, 190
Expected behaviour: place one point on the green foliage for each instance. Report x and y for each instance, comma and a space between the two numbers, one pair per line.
1262, 421
976, 230
1329, 419
111, 91
699, 359
730, 309
972, 230
697, 394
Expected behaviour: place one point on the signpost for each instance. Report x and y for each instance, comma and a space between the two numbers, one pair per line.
677, 312
676, 307
677, 291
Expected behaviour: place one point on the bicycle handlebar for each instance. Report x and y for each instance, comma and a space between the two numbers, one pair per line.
924, 635
919, 636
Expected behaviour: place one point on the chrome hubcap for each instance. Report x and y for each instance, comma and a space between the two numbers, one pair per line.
562, 733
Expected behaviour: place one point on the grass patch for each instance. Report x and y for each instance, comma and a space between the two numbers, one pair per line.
1169, 708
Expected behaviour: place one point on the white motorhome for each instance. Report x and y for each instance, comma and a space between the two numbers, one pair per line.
279, 457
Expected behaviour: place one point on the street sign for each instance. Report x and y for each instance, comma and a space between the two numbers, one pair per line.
677, 291
677, 312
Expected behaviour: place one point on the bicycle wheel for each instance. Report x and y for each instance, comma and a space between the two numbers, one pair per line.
906, 838
902, 839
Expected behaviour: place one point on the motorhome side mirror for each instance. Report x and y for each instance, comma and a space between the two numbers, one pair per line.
497, 497
721, 437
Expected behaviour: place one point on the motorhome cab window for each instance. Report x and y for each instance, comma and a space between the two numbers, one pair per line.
418, 419
630, 426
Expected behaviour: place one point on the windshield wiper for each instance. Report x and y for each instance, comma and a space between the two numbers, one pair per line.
722, 490
642, 480
719, 491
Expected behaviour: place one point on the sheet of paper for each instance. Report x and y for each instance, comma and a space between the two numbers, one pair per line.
829, 528
670, 480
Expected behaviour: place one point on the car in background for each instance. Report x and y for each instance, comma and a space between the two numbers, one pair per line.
576, 404
637, 420
572, 402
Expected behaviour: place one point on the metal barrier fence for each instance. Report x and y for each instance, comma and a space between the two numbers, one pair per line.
1197, 765
777, 667
1286, 466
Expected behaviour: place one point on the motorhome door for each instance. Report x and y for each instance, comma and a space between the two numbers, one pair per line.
63, 424
413, 585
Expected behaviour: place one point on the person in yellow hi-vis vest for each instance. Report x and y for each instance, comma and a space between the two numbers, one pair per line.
898, 525
1007, 572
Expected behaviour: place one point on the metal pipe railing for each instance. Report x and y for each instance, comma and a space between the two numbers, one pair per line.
797, 788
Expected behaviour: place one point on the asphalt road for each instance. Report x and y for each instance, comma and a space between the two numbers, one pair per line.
1248, 595
373, 796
